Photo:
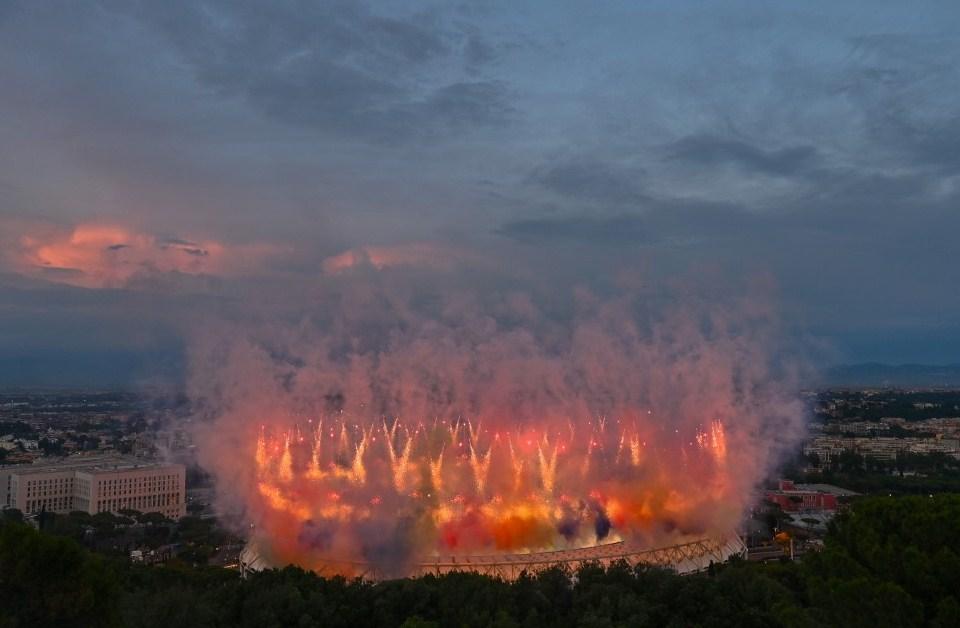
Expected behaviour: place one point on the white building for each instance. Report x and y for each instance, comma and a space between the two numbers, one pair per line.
95, 484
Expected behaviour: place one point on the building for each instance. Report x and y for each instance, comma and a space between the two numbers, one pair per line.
883, 448
693, 555
790, 498
95, 484
826, 448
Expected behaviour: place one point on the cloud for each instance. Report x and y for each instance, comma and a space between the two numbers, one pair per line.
744, 139
590, 179
337, 67
661, 221
478, 52
902, 83
623, 229
478, 102
712, 150
97, 255
430, 255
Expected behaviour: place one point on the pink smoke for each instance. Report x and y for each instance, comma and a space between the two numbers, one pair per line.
652, 415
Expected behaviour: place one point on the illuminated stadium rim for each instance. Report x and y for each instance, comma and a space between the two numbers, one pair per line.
684, 558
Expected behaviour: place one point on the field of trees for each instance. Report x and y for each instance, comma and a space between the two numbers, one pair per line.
889, 562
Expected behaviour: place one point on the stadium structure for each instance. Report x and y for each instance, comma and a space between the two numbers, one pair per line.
684, 558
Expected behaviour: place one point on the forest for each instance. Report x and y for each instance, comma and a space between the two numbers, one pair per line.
888, 561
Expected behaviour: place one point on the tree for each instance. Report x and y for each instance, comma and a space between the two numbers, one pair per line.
50, 581
10, 515
888, 562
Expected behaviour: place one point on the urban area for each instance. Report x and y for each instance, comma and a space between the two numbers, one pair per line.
116, 474
117, 471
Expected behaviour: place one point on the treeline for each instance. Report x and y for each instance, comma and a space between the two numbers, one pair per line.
889, 562
195, 540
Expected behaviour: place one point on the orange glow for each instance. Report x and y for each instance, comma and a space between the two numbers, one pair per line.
482, 499
95, 255
426, 254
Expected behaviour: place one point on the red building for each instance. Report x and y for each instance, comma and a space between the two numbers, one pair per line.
792, 499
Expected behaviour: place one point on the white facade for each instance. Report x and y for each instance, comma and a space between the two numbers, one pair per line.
95, 484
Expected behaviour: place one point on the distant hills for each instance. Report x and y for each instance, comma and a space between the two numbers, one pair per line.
875, 374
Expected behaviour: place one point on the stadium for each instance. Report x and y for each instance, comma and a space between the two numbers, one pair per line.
685, 558
395, 500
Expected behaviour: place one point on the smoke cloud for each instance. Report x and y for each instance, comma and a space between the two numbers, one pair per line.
395, 413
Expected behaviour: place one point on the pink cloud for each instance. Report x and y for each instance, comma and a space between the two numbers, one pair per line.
426, 254
100, 255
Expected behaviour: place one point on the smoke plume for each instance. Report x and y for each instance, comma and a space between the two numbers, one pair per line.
393, 414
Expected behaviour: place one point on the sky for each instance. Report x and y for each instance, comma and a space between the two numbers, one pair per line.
160, 161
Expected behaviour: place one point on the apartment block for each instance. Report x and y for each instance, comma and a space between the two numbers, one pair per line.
95, 484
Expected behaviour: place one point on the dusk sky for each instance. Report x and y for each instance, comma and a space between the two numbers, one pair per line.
160, 159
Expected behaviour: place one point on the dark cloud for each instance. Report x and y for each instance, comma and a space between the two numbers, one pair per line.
462, 104
663, 221
588, 179
759, 140
625, 229
711, 150
338, 67
477, 53
902, 82
933, 143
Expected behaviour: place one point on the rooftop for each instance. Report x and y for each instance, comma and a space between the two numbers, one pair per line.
105, 463
827, 488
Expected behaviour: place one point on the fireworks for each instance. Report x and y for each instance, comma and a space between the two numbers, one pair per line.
444, 427
461, 488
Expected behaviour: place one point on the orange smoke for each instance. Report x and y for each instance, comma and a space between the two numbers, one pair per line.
351, 475
392, 435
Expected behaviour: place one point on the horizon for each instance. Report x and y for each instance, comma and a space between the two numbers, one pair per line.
201, 167
836, 377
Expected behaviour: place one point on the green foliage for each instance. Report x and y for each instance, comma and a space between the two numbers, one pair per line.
50, 581
154, 518
889, 562
912, 543
11, 515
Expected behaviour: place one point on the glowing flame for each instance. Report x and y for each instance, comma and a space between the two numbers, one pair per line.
516, 463
286, 462
718, 440
635, 451
315, 472
481, 466
358, 471
548, 465
436, 472
398, 463
482, 499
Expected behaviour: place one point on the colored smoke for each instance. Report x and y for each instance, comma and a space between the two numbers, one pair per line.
398, 415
